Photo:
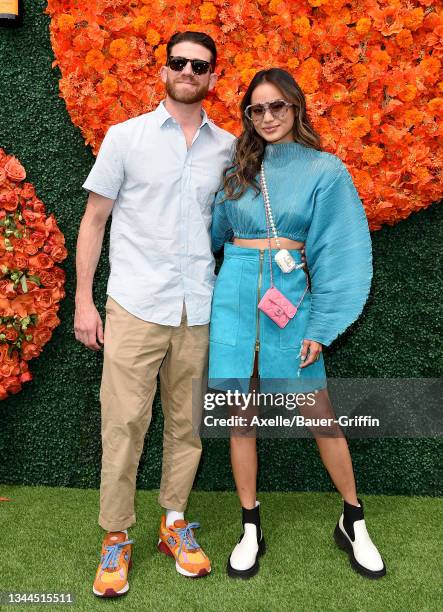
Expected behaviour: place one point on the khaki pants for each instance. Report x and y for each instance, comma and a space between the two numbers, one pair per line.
135, 351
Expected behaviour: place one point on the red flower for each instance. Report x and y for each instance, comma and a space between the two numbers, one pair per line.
31, 286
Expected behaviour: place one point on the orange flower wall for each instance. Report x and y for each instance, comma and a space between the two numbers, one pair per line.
370, 71
31, 285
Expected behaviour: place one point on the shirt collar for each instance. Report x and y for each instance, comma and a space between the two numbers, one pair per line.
163, 115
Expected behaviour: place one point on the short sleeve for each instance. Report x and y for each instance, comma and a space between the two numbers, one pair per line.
221, 230
338, 252
106, 175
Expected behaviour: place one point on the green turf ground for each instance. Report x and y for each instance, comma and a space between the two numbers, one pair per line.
50, 542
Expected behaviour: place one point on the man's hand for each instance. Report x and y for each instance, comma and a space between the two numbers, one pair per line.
88, 326
314, 349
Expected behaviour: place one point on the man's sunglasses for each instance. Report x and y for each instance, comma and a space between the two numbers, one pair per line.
198, 66
277, 108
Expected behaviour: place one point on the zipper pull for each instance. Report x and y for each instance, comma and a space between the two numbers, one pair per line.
257, 345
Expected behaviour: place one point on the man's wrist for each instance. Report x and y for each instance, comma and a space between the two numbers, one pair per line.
84, 299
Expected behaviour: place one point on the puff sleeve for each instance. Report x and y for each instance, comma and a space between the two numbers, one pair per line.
338, 252
221, 230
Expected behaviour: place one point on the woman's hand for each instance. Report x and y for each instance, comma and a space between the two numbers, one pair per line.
314, 348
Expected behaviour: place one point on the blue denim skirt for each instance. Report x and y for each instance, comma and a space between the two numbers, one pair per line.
238, 328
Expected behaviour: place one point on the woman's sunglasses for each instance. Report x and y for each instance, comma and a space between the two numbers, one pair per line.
198, 66
277, 108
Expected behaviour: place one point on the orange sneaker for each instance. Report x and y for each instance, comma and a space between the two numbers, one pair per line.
178, 541
111, 579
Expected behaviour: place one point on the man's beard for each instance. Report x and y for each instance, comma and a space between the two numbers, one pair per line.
185, 96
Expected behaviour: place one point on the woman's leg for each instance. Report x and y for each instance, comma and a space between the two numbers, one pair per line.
244, 468
336, 458
243, 561
244, 453
350, 532
333, 448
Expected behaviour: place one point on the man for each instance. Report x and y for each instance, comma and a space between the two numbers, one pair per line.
158, 174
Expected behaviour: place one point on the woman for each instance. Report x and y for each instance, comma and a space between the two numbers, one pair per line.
313, 206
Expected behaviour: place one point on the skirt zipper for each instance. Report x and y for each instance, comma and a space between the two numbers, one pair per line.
257, 335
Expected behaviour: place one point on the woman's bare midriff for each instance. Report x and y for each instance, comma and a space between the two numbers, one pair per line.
262, 243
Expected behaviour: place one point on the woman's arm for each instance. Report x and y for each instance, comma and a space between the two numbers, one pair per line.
339, 256
221, 230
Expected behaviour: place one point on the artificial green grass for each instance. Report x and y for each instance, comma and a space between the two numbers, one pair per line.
50, 542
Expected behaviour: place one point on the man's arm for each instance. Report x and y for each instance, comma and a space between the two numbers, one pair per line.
88, 325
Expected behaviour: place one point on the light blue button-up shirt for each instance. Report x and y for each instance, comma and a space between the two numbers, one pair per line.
160, 248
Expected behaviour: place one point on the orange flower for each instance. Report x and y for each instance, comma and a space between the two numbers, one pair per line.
7, 289
119, 48
139, 23
293, 63
413, 117
359, 126
208, 12
14, 170
404, 39
413, 18
109, 85
436, 106
30, 350
363, 25
260, 41
301, 26
41, 336
243, 60
95, 59
407, 93
152, 37
381, 57
40, 261
388, 20
49, 319
247, 75
160, 54
65, 22
372, 155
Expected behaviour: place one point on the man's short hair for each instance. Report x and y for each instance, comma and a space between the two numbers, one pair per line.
200, 38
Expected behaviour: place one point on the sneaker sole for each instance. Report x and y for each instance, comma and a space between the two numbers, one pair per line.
251, 571
343, 543
163, 548
112, 592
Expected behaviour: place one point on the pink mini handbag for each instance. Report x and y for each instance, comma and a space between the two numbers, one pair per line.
274, 303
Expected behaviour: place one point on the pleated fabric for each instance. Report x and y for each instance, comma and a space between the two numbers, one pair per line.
314, 200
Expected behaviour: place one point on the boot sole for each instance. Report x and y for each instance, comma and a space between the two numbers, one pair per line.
251, 571
343, 543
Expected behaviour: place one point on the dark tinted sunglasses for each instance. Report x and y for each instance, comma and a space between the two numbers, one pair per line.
198, 66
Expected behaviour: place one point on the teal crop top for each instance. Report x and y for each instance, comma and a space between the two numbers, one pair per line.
313, 200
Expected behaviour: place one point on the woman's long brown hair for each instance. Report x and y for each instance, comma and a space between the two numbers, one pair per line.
250, 146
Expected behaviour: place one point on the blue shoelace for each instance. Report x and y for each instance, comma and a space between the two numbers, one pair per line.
110, 559
186, 535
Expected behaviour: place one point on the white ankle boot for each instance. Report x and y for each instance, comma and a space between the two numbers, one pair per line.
243, 561
363, 554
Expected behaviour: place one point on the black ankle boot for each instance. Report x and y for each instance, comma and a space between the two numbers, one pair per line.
243, 561
352, 536
350, 515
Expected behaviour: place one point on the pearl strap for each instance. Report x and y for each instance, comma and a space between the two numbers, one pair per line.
268, 204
